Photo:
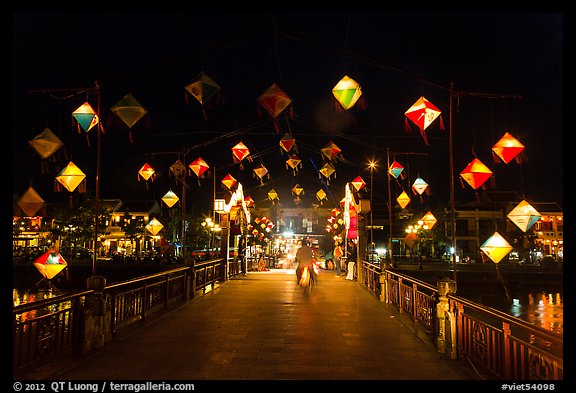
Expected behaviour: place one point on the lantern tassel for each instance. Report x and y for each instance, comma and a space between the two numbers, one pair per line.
407, 128
441, 124
130, 136
87, 140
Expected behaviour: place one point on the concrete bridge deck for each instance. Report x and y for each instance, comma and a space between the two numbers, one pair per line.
262, 327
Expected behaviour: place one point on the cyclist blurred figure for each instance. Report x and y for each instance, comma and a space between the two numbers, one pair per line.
305, 257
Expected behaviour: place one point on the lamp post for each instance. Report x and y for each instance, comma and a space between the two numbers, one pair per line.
372, 166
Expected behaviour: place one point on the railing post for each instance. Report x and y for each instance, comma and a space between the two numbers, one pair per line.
507, 361
384, 286
445, 286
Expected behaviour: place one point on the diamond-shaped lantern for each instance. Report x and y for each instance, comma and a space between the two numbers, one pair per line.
297, 190
327, 170
272, 195
358, 183
261, 172
177, 168
524, 215
146, 172
240, 152
347, 92
429, 220
50, 264
294, 162
46, 143
507, 148
199, 166
30, 202
170, 198
287, 143
423, 113
403, 199
274, 100
154, 226
229, 181
395, 169
331, 151
496, 247
203, 88
129, 110
249, 201
321, 195
411, 239
419, 186
71, 176
85, 117
476, 173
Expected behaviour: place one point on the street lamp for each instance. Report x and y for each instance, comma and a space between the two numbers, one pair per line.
372, 166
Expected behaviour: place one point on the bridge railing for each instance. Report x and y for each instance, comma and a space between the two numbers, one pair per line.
497, 344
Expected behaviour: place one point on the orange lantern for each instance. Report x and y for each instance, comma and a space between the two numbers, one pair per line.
476, 173
429, 220
240, 152
423, 113
199, 167
358, 183
30, 202
50, 264
507, 148
229, 181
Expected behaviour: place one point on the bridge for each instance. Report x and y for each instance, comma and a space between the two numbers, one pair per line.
255, 327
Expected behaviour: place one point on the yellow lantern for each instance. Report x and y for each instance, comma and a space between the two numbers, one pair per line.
170, 198
71, 176
496, 247
524, 216
347, 91
403, 199
154, 226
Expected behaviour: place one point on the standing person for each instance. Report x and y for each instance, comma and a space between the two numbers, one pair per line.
338, 253
352, 256
242, 255
304, 257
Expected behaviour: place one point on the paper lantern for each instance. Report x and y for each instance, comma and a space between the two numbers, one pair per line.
507, 148
154, 226
146, 172
129, 110
496, 247
261, 172
229, 181
249, 201
403, 200
240, 152
85, 117
476, 173
170, 198
287, 143
297, 190
203, 88
524, 216
30, 202
429, 220
294, 162
327, 170
321, 195
411, 239
177, 168
274, 100
347, 92
50, 264
70, 177
46, 143
358, 183
423, 113
395, 169
272, 195
199, 167
419, 186
331, 151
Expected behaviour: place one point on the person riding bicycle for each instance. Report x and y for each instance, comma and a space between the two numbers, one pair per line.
305, 257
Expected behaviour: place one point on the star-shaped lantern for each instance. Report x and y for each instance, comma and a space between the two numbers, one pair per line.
507, 148
170, 198
30, 202
229, 181
146, 172
46, 143
429, 220
403, 199
358, 183
70, 177
476, 173
50, 264
395, 169
347, 92
423, 113
419, 186
240, 152
130, 111
199, 167
496, 247
524, 216
85, 117
274, 100
331, 151
154, 226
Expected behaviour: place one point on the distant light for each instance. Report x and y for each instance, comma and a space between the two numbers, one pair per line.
287, 233
515, 302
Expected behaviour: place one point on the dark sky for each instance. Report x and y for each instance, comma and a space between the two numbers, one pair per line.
506, 69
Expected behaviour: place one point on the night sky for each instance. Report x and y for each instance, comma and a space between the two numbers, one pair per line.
506, 69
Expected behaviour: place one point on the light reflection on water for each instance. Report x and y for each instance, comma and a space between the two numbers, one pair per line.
541, 309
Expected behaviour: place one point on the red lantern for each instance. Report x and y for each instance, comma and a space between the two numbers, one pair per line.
476, 173
507, 148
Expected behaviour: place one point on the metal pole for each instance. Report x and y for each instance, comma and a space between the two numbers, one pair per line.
371, 210
390, 254
97, 186
452, 209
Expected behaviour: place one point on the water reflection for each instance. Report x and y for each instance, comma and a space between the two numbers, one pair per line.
541, 309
